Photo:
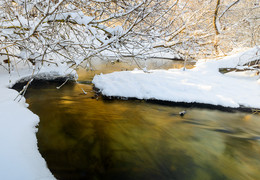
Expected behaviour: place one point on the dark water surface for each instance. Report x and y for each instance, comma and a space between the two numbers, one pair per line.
85, 138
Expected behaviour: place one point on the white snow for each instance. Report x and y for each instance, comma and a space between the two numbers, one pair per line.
202, 84
19, 155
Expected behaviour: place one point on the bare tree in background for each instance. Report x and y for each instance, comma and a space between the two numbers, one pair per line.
209, 28
38, 32
70, 32
236, 24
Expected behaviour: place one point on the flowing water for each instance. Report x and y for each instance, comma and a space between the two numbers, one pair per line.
82, 136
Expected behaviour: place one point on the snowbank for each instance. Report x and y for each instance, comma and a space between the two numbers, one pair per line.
203, 84
19, 155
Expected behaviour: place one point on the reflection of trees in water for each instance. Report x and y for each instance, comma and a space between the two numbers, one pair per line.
107, 147
82, 138
241, 156
124, 149
238, 146
91, 153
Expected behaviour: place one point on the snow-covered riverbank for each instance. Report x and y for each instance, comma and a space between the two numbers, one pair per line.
203, 84
19, 155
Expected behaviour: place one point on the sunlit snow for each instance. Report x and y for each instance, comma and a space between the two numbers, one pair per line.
202, 84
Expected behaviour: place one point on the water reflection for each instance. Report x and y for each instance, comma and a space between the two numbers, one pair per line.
84, 138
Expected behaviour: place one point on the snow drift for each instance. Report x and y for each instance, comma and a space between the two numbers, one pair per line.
19, 155
202, 84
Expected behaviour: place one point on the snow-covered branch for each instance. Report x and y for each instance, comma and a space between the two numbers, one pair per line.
73, 31
228, 7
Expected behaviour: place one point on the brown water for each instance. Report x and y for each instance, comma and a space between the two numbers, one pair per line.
85, 138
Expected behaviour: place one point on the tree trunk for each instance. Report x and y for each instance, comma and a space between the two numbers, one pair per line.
216, 27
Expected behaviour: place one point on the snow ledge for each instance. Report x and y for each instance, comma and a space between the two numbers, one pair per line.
19, 155
204, 84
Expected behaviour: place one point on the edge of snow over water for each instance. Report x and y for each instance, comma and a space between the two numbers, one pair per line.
19, 155
202, 84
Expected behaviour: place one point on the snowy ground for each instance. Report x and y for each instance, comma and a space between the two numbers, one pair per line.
203, 84
19, 155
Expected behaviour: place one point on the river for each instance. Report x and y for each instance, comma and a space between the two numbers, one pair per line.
83, 136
